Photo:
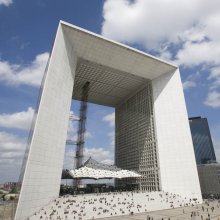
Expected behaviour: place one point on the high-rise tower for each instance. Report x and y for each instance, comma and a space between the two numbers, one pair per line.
202, 141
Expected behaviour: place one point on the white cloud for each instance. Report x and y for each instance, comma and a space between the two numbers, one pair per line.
214, 76
72, 134
73, 128
185, 31
153, 23
201, 42
73, 116
111, 135
165, 54
194, 54
188, 84
88, 134
192, 26
110, 118
11, 143
108, 161
147, 21
20, 120
100, 154
215, 72
5, 2
31, 74
11, 153
213, 99
192, 81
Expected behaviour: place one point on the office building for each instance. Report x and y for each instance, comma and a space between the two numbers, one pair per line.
209, 176
202, 141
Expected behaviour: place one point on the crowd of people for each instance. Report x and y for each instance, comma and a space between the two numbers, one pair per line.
92, 206
205, 211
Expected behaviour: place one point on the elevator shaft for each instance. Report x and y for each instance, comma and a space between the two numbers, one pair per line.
81, 128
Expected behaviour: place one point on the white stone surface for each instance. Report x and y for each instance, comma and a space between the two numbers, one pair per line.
42, 175
104, 205
178, 171
106, 52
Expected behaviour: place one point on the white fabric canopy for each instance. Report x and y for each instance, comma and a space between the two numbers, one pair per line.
92, 169
87, 172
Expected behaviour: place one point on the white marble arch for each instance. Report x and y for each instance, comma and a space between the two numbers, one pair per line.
44, 162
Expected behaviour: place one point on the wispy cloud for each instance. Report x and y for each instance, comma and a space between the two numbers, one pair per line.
194, 34
213, 99
11, 153
5, 2
197, 53
72, 132
214, 77
30, 74
98, 153
110, 118
188, 84
111, 136
142, 21
21, 120
10, 142
190, 39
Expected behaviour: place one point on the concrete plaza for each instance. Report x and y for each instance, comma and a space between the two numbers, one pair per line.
177, 213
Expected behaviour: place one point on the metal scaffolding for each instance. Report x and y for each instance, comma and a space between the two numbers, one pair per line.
81, 129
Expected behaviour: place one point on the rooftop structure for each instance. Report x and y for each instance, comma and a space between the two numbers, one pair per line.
91, 163
152, 130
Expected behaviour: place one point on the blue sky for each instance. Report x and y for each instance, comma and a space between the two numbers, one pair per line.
184, 32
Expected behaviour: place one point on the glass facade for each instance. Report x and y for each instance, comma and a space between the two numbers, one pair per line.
202, 141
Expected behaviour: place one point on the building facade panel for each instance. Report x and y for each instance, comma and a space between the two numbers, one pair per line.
136, 141
178, 173
44, 159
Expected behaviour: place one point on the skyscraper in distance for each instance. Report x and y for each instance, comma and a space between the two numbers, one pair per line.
202, 141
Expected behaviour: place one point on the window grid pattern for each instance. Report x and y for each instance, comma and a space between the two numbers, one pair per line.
202, 141
108, 86
135, 140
